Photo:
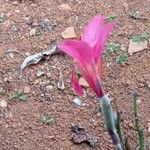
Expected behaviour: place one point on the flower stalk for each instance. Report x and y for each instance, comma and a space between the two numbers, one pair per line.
109, 121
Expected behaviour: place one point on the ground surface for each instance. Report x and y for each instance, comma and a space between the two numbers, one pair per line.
21, 127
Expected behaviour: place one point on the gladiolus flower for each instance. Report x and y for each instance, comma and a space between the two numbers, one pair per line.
87, 53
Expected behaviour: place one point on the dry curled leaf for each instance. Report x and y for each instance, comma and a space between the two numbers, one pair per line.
34, 59
80, 135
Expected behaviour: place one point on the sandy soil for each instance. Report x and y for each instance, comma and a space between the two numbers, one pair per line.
21, 127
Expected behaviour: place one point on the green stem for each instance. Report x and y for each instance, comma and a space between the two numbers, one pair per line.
119, 130
137, 124
110, 122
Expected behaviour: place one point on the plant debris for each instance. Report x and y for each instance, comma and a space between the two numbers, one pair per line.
34, 59
47, 120
40, 73
61, 84
2, 17
80, 135
136, 15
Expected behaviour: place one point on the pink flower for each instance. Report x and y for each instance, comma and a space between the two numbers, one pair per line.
87, 53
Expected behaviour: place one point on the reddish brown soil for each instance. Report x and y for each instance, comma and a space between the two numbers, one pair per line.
21, 127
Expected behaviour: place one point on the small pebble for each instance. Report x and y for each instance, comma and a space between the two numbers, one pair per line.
36, 82
128, 82
5, 79
14, 28
93, 121
139, 101
17, 11
33, 32
3, 104
48, 75
83, 82
27, 89
68, 33
47, 96
2, 18
98, 114
1, 90
11, 55
48, 88
148, 84
40, 73
27, 53
84, 104
64, 7
77, 101
1, 115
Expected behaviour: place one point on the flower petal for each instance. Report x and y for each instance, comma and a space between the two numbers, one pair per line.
75, 83
80, 51
96, 33
91, 31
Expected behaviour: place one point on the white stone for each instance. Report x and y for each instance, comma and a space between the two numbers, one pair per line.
68, 33
32, 32
3, 104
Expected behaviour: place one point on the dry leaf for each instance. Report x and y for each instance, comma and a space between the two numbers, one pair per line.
34, 59
80, 135
137, 46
